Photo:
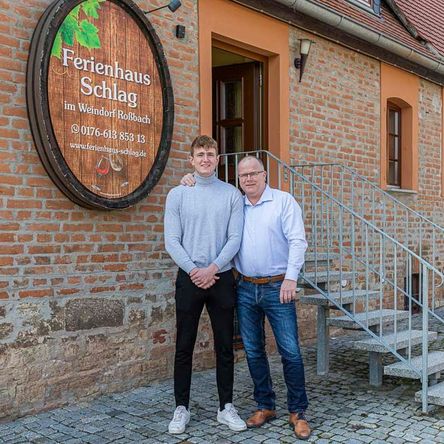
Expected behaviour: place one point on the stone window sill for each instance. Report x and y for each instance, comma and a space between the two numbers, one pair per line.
395, 190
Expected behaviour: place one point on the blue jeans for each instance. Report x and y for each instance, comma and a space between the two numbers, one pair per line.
254, 302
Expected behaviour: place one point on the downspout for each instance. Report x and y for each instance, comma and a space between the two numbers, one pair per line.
339, 21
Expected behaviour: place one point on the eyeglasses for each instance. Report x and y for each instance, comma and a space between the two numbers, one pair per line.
251, 175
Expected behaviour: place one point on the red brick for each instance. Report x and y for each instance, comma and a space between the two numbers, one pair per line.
36, 293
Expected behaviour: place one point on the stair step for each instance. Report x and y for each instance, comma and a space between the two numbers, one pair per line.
320, 257
347, 297
398, 341
323, 276
435, 394
402, 370
373, 317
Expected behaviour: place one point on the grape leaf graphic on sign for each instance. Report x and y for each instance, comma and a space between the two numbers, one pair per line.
74, 28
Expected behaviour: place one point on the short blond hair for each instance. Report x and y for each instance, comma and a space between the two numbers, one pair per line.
203, 142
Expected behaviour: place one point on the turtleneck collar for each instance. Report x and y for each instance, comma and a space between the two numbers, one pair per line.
201, 180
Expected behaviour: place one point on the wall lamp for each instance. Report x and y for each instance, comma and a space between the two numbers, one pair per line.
300, 62
173, 6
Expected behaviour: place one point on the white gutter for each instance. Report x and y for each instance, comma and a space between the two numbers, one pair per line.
339, 21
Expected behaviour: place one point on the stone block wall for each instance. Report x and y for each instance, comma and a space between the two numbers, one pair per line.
86, 297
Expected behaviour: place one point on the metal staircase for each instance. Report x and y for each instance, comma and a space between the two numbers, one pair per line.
371, 261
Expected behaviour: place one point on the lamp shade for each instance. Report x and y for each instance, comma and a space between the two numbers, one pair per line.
305, 46
174, 5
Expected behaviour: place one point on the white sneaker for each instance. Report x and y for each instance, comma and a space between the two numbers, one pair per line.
180, 420
230, 417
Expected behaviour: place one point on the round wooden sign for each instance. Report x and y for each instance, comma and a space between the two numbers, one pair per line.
100, 101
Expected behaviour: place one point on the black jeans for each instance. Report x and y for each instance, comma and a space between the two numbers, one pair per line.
220, 301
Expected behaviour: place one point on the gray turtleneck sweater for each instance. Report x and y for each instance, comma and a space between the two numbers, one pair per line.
203, 224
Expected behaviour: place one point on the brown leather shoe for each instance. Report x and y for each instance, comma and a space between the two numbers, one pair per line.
260, 417
300, 425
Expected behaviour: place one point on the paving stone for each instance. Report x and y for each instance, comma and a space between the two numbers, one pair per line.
412, 438
343, 409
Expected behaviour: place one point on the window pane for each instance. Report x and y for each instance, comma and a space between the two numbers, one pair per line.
391, 140
393, 178
232, 139
393, 122
397, 117
232, 100
396, 164
393, 146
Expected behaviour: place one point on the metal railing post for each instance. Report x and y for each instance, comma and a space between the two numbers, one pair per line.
425, 335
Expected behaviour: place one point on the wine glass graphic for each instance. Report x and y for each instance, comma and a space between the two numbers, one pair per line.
102, 166
116, 162
117, 165
102, 169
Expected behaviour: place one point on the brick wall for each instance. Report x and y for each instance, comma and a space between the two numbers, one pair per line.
334, 111
86, 297
430, 135
335, 115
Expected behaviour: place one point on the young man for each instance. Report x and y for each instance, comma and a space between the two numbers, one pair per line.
203, 230
269, 261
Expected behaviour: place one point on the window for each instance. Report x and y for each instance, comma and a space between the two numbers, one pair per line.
399, 129
369, 5
394, 144
400, 155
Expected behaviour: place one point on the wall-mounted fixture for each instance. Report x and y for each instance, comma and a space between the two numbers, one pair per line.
300, 62
180, 31
173, 6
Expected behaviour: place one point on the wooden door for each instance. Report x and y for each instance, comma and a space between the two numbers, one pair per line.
237, 111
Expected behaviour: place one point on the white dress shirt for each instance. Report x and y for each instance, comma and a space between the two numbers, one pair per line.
273, 240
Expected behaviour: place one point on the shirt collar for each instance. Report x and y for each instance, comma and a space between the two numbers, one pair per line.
266, 196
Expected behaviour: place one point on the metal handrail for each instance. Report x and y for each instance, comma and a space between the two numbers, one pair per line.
333, 199
332, 207
408, 226
375, 187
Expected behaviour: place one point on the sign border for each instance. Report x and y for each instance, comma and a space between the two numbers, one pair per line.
39, 114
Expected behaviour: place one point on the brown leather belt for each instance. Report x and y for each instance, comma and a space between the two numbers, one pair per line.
263, 280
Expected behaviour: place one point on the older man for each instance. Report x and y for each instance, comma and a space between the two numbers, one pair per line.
269, 261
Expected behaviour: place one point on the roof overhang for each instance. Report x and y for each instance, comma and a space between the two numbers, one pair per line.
334, 26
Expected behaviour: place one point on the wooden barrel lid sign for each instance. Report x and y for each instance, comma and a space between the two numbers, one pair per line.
100, 101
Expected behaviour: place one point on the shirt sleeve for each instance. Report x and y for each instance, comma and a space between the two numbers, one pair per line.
173, 232
293, 229
234, 232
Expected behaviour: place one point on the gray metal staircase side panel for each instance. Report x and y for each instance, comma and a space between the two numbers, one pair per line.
402, 370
